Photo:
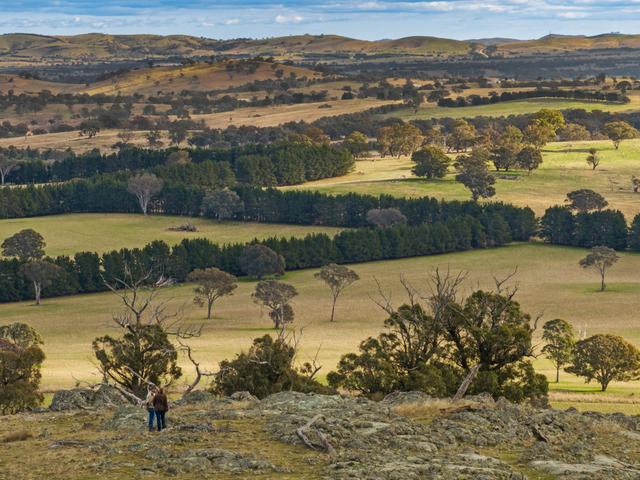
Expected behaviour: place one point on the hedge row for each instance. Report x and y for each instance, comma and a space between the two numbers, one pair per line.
86, 272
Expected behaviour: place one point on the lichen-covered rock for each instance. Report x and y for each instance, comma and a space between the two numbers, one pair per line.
86, 398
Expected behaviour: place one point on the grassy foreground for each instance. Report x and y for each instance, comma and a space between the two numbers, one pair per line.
68, 325
68, 234
563, 169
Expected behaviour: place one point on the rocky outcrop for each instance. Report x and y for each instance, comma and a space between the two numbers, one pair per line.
87, 398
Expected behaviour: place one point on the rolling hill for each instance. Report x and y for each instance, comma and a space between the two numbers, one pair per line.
95, 47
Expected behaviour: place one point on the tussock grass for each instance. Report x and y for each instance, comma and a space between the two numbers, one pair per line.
19, 436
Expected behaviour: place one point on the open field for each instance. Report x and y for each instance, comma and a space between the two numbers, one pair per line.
68, 234
564, 169
68, 325
515, 107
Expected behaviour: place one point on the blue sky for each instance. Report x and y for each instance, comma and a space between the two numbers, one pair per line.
366, 19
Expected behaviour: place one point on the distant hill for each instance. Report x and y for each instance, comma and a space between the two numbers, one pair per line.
94, 47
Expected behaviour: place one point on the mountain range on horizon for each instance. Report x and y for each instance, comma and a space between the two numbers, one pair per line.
106, 47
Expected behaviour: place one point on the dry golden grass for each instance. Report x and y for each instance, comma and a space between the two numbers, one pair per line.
19, 436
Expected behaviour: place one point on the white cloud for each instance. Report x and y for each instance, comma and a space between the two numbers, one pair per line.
573, 15
292, 18
232, 21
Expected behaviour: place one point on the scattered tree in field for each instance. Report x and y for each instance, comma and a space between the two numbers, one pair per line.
605, 358
399, 139
42, 274
7, 165
267, 368
600, 259
529, 158
144, 187
144, 354
585, 200
275, 296
259, 261
434, 136
635, 184
552, 119
21, 357
357, 144
619, 131
154, 138
90, 128
463, 135
560, 340
385, 217
26, 245
505, 152
474, 174
538, 134
574, 132
177, 133
222, 204
125, 137
593, 159
213, 284
433, 349
337, 278
430, 162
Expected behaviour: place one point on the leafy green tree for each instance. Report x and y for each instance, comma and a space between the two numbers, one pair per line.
259, 261
560, 340
585, 200
21, 358
337, 278
222, 204
430, 162
474, 174
26, 245
144, 187
538, 135
276, 296
213, 284
600, 259
553, 119
529, 158
504, 154
41, 274
399, 139
267, 368
605, 358
593, 159
619, 131
144, 353
90, 128
463, 135
356, 143
574, 132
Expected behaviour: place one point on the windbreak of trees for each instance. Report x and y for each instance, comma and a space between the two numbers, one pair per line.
471, 100
560, 226
87, 272
107, 194
261, 165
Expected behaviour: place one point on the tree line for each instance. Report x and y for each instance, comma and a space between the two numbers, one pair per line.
87, 272
473, 100
282, 163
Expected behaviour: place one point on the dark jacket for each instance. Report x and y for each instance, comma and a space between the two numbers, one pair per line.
160, 403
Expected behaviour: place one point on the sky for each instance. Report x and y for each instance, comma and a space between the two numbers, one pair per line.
364, 19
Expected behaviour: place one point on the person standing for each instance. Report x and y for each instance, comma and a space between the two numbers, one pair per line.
151, 393
160, 406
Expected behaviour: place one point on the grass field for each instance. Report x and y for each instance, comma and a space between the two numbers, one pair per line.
69, 324
68, 234
564, 169
515, 107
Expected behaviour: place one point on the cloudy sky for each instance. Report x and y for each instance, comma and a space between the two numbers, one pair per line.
366, 19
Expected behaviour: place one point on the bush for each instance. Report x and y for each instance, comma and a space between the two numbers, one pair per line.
267, 368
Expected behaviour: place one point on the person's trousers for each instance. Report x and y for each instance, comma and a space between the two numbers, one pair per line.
160, 420
152, 415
